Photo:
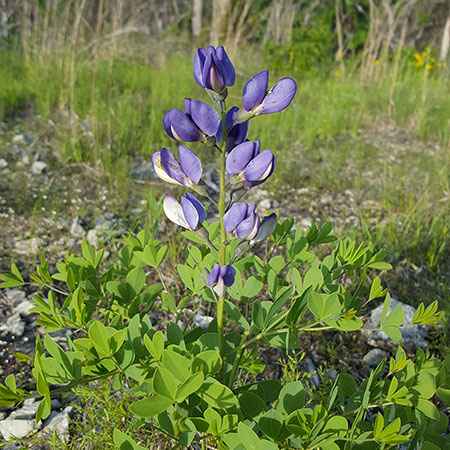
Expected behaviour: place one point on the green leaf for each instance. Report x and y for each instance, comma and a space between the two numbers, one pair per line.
292, 397
276, 264
164, 383
251, 404
190, 386
313, 278
174, 334
13, 279
444, 395
209, 362
271, 423
185, 273
427, 408
150, 406
380, 265
248, 437
177, 364
217, 395
124, 442
99, 336
136, 280
10, 381
252, 287
425, 385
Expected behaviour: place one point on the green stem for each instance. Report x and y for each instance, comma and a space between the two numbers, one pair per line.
223, 234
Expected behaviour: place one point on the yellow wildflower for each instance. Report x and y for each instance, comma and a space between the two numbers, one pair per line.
438, 65
291, 53
432, 60
418, 61
424, 53
339, 54
444, 64
377, 61
428, 66
337, 73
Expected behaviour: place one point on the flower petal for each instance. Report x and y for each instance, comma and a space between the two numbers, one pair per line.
182, 127
198, 206
190, 164
248, 227
230, 73
199, 62
174, 211
255, 90
166, 123
171, 166
214, 275
280, 96
240, 157
266, 228
261, 167
157, 165
228, 274
205, 117
190, 213
234, 216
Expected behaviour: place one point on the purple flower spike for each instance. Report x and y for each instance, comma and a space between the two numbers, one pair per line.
245, 164
186, 173
213, 69
256, 99
221, 276
190, 214
199, 122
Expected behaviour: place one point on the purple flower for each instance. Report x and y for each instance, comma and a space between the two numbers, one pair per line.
246, 164
221, 276
256, 99
187, 172
199, 122
213, 69
190, 214
242, 221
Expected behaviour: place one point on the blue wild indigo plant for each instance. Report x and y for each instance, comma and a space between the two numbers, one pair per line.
209, 386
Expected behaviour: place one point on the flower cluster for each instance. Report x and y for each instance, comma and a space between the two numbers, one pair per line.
245, 165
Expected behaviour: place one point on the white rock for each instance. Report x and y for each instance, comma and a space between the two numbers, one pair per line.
76, 229
13, 325
58, 423
265, 204
20, 139
92, 238
28, 410
23, 307
374, 357
14, 295
203, 321
15, 428
28, 246
38, 167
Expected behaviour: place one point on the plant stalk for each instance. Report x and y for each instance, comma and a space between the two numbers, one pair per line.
223, 234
